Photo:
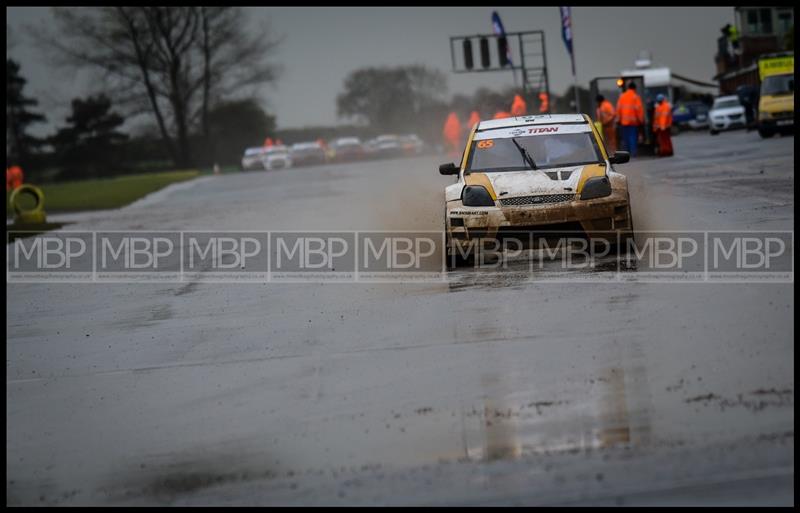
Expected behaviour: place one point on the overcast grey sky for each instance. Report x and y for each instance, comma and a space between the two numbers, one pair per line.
322, 45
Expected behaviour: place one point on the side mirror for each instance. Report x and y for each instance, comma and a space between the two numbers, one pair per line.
448, 169
620, 157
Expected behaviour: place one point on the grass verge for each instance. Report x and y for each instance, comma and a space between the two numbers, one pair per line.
104, 193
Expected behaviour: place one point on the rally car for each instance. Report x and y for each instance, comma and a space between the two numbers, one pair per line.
543, 174
277, 157
253, 158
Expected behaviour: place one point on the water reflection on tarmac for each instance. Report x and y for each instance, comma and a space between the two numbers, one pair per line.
487, 388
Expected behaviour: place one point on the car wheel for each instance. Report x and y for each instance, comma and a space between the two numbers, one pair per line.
456, 261
714, 132
631, 233
626, 234
765, 133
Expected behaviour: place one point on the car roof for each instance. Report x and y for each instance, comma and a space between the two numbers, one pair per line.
306, 145
542, 119
729, 97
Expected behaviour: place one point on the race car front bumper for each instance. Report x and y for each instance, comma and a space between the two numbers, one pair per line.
596, 218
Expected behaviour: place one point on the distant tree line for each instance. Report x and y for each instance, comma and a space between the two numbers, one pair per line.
192, 71
398, 99
91, 142
21, 113
414, 99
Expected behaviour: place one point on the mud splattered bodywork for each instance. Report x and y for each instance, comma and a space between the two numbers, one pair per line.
538, 200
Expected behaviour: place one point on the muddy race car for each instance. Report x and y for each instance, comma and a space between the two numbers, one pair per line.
540, 175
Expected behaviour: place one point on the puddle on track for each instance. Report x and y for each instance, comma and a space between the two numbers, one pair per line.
528, 268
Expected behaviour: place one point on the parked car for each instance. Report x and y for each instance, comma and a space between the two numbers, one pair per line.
690, 116
277, 157
411, 144
307, 154
727, 113
386, 146
345, 149
371, 148
253, 158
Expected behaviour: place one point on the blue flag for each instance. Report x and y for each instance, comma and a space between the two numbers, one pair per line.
499, 30
566, 33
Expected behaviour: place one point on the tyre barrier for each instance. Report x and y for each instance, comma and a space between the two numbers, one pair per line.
35, 215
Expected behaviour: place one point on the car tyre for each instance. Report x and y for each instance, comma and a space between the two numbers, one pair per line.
714, 132
454, 262
626, 234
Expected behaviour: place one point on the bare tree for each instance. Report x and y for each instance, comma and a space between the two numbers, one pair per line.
400, 98
172, 62
231, 56
20, 145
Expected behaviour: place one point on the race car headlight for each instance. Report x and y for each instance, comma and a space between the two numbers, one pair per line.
476, 196
596, 187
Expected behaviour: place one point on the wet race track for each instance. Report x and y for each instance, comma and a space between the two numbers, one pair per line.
485, 388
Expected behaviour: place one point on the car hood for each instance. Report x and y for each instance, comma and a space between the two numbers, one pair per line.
523, 183
529, 183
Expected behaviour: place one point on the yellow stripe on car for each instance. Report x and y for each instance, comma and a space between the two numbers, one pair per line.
599, 138
590, 171
469, 143
482, 180
476, 178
